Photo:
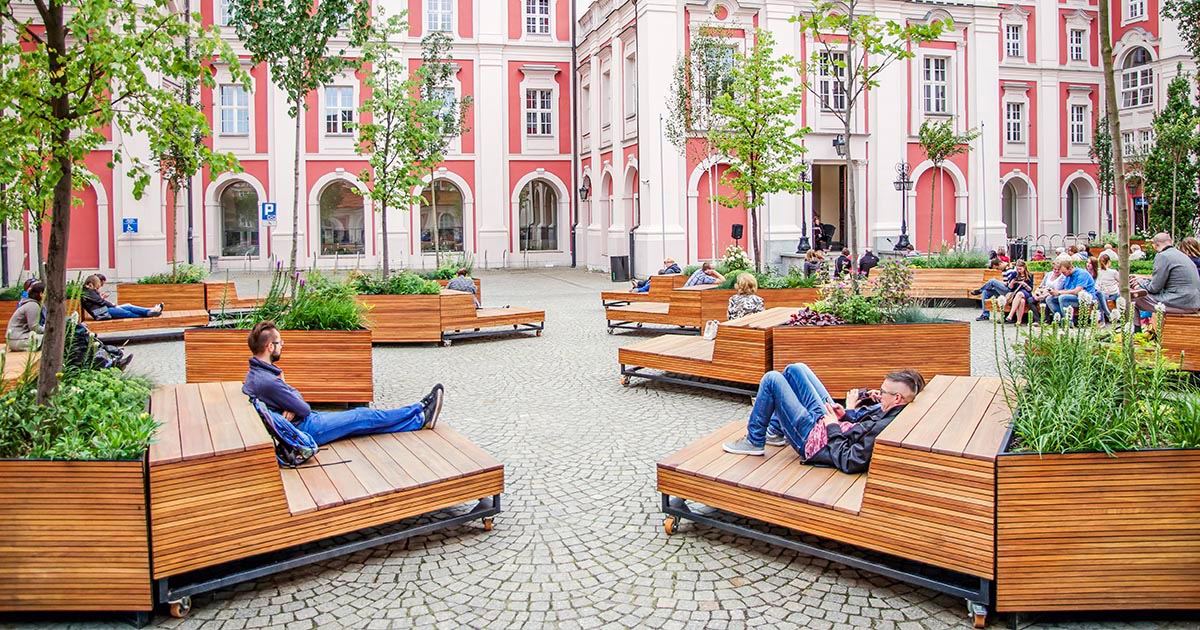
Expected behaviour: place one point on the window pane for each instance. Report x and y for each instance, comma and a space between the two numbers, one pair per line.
342, 221
239, 220
538, 217
444, 234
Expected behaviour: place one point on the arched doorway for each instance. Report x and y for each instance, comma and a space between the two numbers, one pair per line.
1016, 206
342, 220
714, 221
936, 211
632, 203
538, 216
606, 210
441, 217
1071, 222
239, 219
1081, 207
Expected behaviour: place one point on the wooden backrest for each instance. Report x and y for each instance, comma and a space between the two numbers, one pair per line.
661, 286
200, 420
458, 310
174, 297
959, 416
1181, 340
219, 295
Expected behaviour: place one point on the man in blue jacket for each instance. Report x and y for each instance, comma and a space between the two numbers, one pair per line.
1076, 282
265, 382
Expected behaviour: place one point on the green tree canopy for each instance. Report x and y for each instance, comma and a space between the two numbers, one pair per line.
1171, 166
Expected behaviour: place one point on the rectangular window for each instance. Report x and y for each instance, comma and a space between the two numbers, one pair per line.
715, 76
605, 99
1014, 122
448, 97
1077, 124
537, 17
1137, 87
935, 85
539, 112
1127, 142
1014, 41
224, 12
1147, 142
585, 110
1136, 9
1075, 44
439, 16
832, 84
339, 110
235, 111
630, 86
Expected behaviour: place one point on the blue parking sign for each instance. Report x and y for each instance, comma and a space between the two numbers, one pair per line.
129, 226
268, 213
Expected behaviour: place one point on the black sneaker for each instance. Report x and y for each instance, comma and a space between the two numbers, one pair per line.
432, 403
976, 292
983, 317
124, 361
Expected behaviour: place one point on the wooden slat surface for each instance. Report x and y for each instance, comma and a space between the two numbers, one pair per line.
18, 365
174, 297
168, 319
1181, 340
949, 284
403, 318
326, 366
73, 536
220, 296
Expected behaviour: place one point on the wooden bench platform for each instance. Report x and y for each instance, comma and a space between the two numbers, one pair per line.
928, 497
18, 365
660, 291
681, 311
1181, 340
223, 296
168, 320
217, 493
740, 353
949, 284
460, 319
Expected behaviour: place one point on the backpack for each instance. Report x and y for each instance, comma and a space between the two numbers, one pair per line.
293, 447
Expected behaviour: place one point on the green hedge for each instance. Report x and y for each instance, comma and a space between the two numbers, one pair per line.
394, 284
180, 273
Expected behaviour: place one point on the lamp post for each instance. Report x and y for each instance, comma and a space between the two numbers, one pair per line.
903, 184
804, 179
839, 145
584, 191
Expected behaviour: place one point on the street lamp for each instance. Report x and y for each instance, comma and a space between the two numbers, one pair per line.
804, 179
839, 145
903, 184
584, 191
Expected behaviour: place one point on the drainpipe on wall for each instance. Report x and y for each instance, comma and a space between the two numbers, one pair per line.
575, 161
637, 103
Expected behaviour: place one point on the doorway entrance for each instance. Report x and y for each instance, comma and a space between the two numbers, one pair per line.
829, 203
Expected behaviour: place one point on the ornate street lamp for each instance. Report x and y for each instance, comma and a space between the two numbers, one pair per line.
804, 179
839, 145
584, 191
903, 184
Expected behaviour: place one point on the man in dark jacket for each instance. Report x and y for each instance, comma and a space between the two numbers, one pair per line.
265, 382
842, 264
867, 262
791, 405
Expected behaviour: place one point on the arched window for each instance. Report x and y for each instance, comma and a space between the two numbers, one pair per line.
1137, 79
342, 220
239, 220
539, 216
1072, 226
448, 237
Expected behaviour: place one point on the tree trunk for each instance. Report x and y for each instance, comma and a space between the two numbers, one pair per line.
39, 230
756, 240
296, 182
851, 201
937, 174
433, 215
1118, 157
60, 225
383, 226
1174, 195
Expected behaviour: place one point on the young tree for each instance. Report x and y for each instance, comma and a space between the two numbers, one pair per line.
82, 69
757, 131
1171, 168
850, 50
294, 37
701, 74
1101, 154
940, 142
401, 124
435, 86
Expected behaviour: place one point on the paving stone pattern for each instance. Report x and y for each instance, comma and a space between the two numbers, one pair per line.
580, 543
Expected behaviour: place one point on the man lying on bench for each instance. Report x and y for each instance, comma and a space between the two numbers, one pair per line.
265, 382
790, 406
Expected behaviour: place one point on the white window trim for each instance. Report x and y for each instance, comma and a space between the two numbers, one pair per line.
945, 83
341, 107
1015, 15
525, 15
221, 107
1017, 93
223, 12
1014, 48
585, 114
1074, 125
1139, 85
1126, 15
236, 144
427, 18
337, 143
1021, 132
606, 96
829, 78
1080, 96
1080, 20
629, 106
540, 77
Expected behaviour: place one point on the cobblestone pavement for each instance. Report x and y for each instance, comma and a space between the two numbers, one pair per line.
580, 543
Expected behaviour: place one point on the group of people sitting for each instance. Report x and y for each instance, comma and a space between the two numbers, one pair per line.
27, 325
1175, 283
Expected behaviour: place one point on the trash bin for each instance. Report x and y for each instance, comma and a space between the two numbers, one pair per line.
619, 267
1018, 250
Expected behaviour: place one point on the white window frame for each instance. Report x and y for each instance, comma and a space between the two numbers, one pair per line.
1014, 41
1135, 10
630, 77
541, 79
224, 12
539, 18
1014, 126
1076, 50
931, 85
606, 98
831, 81
1145, 141
1128, 143
439, 16
343, 126
233, 99
539, 112
1077, 117
1137, 85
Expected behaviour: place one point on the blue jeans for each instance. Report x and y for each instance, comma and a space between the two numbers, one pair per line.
642, 287
1060, 303
992, 289
329, 426
127, 311
790, 403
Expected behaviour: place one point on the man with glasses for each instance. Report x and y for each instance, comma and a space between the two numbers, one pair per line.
264, 381
795, 408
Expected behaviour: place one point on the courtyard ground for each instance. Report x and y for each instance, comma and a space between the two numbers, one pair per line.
580, 543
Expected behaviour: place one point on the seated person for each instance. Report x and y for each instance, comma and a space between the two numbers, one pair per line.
706, 274
910, 252
101, 309
265, 382
1190, 246
462, 282
1039, 254
1174, 282
1109, 253
670, 268
867, 262
1076, 282
745, 302
812, 262
25, 329
801, 405
1002, 254
1021, 288
994, 288
842, 264
1136, 253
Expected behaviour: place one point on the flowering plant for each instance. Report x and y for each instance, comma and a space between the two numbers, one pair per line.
735, 259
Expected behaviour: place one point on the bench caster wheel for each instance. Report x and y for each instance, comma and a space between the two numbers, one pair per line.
180, 608
978, 614
610, 331
539, 333
488, 524
446, 343
639, 325
670, 525
625, 381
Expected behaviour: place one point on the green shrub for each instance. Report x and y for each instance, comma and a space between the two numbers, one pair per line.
1145, 267
10, 294
448, 266
394, 284
795, 279
951, 260
180, 273
96, 414
311, 303
1045, 265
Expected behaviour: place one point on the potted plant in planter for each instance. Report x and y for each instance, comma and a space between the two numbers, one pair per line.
871, 328
324, 326
180, 289
72, 482
1098, 488
402, 307
449, 267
